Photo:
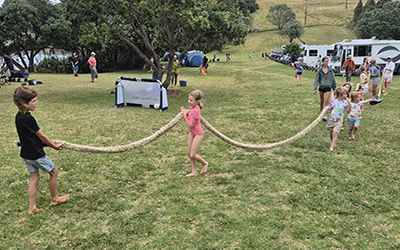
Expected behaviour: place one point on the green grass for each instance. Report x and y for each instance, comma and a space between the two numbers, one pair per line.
300, 196
296, 197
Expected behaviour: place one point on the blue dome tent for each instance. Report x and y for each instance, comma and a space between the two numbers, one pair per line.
194, 58
165, 57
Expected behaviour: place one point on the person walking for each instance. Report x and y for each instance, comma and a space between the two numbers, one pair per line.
388, 76
92, 64
8, 61
349, 66
325, 78
75, 62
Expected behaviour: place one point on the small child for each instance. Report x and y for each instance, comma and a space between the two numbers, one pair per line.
363, 83
32, 154
353, 120
336, 109
347, 86
196, 134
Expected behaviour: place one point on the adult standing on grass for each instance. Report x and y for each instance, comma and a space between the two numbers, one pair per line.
75, 62
196, 134
349, 66
387, 78
92, 64
175, 71
325, 78
32, 154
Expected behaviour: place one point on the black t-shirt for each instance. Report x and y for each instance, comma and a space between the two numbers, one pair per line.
74, 60
32, 146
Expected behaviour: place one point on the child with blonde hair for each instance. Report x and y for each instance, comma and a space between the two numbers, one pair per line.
347, 86
196, 134
363, 83
353, 120
336, 109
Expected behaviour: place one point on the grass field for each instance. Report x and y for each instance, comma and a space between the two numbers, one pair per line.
300, 196
296, 197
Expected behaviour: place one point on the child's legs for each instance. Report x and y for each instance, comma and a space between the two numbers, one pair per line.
370, 89
32, 190
53, 184
194, 147
327, 95
299, 79
350, 132
374, 89
334, 137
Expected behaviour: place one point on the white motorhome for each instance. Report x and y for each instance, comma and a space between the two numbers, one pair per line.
366, 48
312, 53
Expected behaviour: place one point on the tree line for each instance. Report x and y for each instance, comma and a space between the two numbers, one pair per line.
125, 34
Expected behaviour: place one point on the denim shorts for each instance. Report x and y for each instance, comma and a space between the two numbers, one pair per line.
44, 163
351, 122
365, 90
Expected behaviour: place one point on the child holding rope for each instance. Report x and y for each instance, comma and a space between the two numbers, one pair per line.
336, 109
347, 86
32, 154
353, 121
193, 118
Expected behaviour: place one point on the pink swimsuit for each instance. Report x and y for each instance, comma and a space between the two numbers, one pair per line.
193, 121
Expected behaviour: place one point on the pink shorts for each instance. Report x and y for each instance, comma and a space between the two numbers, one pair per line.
387, 79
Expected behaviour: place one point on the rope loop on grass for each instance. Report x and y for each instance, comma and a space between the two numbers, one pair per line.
173, 122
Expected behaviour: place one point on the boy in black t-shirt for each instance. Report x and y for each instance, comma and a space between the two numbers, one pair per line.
32, 153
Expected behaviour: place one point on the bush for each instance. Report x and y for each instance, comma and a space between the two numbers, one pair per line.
55, 65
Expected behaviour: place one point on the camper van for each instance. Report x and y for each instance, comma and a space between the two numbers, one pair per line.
366, 48
312, 53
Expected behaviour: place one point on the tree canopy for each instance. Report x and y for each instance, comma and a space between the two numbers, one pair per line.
280, 14
171, 25
292, 30
382, 23
29, 26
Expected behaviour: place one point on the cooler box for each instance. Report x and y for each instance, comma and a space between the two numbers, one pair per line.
183, 82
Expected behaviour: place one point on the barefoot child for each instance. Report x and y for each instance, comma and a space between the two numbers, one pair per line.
192, 118
347, 86
336, 109
353, 121
32, 154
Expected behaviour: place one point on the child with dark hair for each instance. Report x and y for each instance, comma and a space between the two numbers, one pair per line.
32, 154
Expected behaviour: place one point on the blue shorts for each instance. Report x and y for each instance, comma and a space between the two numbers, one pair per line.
365, 90
351, 122
75, 67
44, 163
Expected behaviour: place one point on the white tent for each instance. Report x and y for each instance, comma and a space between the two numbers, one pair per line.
140, 92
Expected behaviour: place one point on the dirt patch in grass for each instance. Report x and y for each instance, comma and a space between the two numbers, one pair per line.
173, 93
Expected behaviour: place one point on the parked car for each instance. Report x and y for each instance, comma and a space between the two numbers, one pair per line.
277, 53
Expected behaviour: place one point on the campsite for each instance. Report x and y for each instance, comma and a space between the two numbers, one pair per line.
299, 196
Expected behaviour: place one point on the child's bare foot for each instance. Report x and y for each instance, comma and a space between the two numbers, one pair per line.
60, 200
331, 149
349, 137
342, 129
193, 174
353, 137
34, 211
204, 169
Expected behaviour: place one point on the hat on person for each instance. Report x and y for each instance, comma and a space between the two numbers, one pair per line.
93, 53
389, 57
372, 60
74, 54
349, 56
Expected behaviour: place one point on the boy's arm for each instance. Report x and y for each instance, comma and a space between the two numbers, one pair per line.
46, 140
348, 109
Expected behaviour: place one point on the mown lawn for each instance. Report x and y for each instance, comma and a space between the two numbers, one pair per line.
300, 196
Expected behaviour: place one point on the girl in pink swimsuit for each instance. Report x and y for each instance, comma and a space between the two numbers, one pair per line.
196, 134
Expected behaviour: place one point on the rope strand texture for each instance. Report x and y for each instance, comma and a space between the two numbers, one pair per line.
173, 122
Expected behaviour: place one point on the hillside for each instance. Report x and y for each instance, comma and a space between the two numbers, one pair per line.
326, 24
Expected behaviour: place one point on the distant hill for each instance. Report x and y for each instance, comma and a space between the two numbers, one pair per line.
326, 24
